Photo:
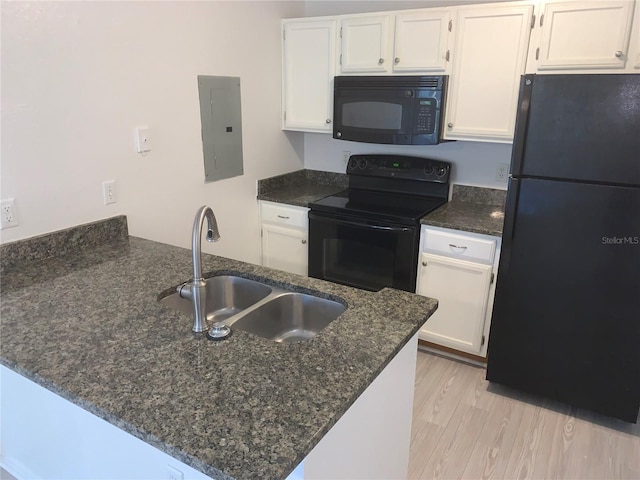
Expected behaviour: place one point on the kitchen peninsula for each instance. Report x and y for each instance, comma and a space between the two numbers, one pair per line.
86, 324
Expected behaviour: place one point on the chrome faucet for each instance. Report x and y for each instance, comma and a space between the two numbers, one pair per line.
196, 289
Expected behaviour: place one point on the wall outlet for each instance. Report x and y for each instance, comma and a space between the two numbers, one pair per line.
8, 214
109, 192
502, 172
345, 156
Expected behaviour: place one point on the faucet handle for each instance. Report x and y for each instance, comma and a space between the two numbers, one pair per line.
184, 290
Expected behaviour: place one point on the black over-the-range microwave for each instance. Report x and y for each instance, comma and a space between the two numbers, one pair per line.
401, 110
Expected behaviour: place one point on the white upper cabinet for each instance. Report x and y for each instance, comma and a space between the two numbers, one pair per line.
489, 56
583, 35
413, 42
308, 62
366, 46
421, 41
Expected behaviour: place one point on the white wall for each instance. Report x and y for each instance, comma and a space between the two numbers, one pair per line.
475, 163
78, 77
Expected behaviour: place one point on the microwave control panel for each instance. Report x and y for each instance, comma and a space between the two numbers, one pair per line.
426, 116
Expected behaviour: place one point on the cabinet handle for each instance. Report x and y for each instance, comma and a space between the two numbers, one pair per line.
381, 61
461, 247
283, 217
304, 242
619, 54
328, 120
450, 125
424, 263
396, 60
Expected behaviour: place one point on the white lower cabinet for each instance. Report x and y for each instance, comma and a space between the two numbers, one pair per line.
284, 237
458, 269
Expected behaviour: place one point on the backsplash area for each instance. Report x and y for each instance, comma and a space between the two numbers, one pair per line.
81, 238
474, 163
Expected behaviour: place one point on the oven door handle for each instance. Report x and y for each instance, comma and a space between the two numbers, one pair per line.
386, 228
374, 226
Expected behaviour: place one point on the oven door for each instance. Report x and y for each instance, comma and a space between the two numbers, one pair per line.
362, 253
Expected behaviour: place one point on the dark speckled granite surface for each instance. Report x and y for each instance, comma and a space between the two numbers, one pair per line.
471, 209
301, 187
81, 238
246, 407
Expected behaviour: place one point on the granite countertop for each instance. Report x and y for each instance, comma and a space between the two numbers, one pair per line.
301, 187
88, 326
471, 209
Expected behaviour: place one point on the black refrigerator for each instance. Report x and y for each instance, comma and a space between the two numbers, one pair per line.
566, 318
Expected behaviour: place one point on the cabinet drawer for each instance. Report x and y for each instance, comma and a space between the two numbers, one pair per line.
284, 215
460, 246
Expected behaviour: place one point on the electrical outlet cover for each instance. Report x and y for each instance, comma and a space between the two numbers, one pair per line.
8, 214
502, 172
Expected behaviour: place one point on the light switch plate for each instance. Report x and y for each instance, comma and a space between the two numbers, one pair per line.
109, 192
143, 140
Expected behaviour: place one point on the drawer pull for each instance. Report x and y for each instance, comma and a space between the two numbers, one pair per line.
459, 247
283, 217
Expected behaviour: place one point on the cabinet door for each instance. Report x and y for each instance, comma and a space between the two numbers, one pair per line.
421, 41
284, 248
308, 62
365, 45
634, 47
462, 290
585, 35
489, 58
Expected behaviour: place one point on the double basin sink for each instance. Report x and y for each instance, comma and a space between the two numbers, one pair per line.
263, 310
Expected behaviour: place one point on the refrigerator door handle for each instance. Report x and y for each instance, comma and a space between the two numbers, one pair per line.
511, 208
522, 119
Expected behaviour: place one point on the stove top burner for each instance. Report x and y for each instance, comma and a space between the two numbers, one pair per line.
405, 209
391, 188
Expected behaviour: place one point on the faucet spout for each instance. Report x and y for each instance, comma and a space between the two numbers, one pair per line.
196, 290
213, 235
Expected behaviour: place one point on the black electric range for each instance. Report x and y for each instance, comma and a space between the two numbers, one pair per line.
367, 236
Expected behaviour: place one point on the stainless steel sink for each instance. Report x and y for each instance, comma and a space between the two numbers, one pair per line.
265, 311
290, 317
226, 296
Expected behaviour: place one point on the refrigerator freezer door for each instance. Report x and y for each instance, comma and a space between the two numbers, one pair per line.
566, 319
574, 127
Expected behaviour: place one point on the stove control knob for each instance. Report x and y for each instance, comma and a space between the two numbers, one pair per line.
353, 163
441, 171
428, 170
363, 163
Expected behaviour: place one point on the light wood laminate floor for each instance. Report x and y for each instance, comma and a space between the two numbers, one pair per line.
466, 428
